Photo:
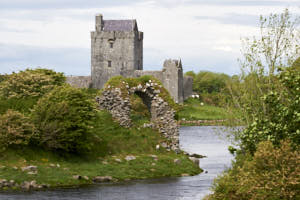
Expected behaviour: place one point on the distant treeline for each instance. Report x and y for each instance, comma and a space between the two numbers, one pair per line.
212, 86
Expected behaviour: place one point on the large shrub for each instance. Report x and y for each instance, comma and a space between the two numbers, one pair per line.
30, 83
273, 173
15, 129
63, 119
280, 117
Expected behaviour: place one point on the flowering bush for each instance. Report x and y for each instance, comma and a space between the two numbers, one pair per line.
64, 119
33, 83
15, 129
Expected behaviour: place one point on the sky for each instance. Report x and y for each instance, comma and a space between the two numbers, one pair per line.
204, 34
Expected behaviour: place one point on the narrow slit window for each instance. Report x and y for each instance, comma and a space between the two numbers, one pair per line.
109, 63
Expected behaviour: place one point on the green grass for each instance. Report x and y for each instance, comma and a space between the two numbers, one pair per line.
110, 141
115, 142
62, 176
193, 110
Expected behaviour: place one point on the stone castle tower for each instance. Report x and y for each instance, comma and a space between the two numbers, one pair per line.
117, 49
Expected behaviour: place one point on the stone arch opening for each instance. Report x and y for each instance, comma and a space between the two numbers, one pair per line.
116, 100
145, 98
140, 107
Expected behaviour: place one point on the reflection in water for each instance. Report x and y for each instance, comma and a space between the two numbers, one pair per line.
201, 140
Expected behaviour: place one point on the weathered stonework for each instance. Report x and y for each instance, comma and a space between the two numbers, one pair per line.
187, 86
79, 81
117, 49
162, 115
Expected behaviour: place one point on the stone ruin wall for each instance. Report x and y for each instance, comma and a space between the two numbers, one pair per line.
86, 82
79, 81
162, 115
172, 79
180, 87
187, 87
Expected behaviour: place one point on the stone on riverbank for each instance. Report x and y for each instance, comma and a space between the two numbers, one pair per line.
129, 158
101, 179
195, 160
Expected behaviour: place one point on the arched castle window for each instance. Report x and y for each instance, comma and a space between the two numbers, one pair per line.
111, 43
109, 63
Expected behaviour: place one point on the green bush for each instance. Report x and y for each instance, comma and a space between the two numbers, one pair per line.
30, 83
280, 117
2, 77
15, 129
64, 118
273, 173
22, 105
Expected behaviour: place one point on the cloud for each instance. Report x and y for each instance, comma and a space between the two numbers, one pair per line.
245, 2
83, 4
56, 33
233, 18
59, 4
72, 61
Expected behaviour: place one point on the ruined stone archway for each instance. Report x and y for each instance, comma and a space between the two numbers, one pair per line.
116, 100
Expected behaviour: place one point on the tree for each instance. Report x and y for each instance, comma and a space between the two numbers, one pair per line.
277, 46
190, 73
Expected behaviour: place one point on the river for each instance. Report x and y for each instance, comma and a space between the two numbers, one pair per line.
205, 140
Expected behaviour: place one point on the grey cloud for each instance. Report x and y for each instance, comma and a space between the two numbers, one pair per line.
71, 61
74, 61
178, 3
238, 19
212, 60
59, 4
225, 62
244, 3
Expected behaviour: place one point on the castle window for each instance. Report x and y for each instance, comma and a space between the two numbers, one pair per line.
111, 43
109, 63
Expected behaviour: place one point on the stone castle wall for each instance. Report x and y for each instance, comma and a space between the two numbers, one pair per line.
171, 76
79, 81
187, 87
119, 51
113, 52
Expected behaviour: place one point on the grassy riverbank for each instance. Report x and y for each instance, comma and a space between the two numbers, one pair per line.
57, 170
193, 112
53, 135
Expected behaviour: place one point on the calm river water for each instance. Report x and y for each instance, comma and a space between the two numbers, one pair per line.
205, 140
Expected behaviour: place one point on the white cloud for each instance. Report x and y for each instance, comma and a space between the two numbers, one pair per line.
170, 32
